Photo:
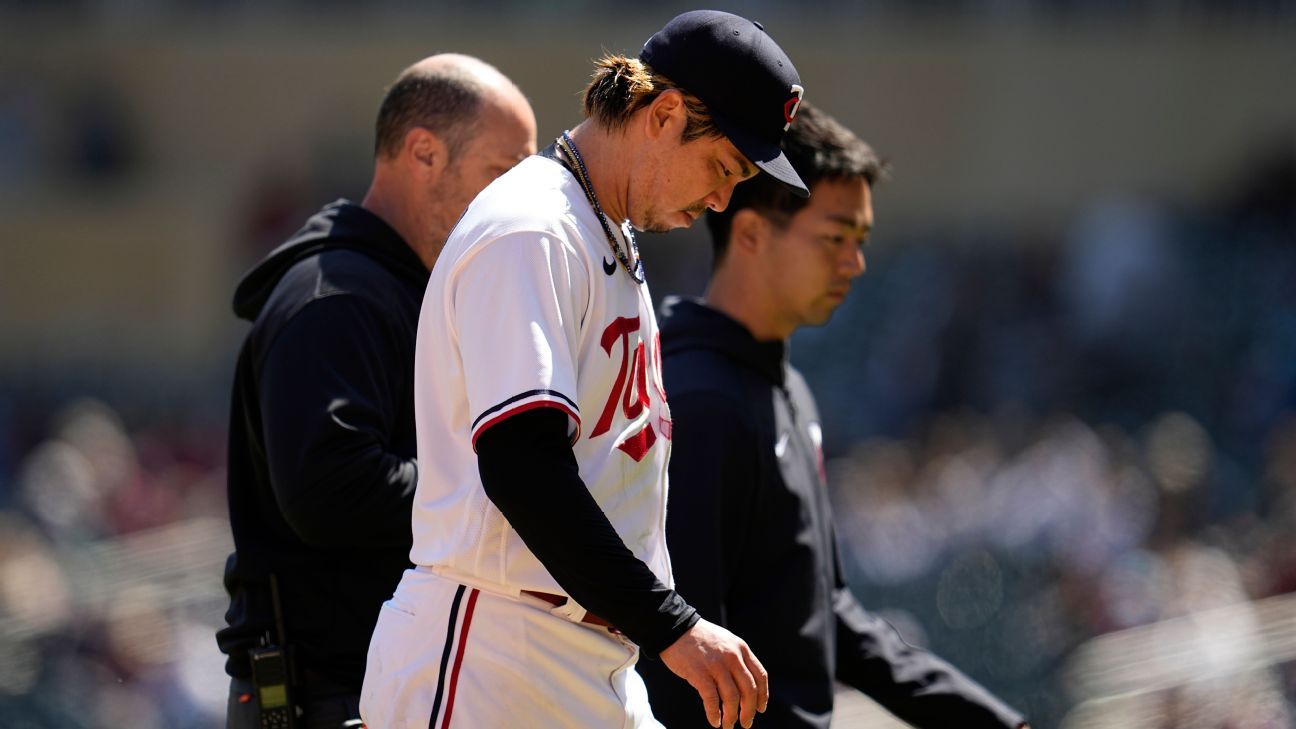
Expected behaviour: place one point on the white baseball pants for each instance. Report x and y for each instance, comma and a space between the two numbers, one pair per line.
448, 656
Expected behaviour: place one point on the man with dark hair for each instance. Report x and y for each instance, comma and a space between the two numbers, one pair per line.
749, 525
322, 446
541, 565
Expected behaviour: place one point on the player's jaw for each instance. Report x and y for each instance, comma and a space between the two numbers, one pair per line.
690, 214
656, 222
701, 171
828, 303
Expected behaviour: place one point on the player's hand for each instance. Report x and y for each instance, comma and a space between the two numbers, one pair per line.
724, 671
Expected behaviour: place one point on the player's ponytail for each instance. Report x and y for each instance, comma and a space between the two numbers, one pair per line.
618, 82
620, 86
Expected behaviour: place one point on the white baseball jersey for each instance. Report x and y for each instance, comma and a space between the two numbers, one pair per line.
527, 307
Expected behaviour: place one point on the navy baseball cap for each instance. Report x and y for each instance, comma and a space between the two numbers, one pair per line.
748, 84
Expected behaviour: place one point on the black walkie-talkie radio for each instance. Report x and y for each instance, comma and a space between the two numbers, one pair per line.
272, 674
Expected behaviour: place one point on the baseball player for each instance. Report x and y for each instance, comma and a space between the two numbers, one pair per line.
541, 571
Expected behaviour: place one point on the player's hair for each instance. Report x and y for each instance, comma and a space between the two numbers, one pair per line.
446, 101
819, 148
620, 86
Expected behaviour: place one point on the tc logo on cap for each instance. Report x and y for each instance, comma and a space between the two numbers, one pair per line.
792, 104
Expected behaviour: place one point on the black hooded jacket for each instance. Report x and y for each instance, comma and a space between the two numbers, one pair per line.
749, 528
322, 444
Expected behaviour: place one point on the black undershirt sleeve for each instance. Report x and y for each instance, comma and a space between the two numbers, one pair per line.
530, 473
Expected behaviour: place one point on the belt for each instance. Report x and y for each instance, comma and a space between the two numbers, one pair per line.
559, 601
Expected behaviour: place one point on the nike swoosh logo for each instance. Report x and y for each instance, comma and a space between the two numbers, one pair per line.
609, 267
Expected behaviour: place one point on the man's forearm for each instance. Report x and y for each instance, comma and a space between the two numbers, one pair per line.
530, 474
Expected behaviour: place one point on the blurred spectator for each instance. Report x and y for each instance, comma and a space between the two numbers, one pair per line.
102, 141
69, 480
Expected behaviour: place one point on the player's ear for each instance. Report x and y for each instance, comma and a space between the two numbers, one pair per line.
426, 153
749, 231
665, 111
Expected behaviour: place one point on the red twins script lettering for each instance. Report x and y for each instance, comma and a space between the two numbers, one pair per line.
630, 390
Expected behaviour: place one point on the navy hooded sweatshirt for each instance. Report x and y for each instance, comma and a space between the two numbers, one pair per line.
321, 444
750, 532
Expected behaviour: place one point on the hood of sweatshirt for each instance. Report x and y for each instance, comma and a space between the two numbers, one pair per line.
689, 324
339, 225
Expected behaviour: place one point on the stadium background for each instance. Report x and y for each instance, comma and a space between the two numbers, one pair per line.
1060, 406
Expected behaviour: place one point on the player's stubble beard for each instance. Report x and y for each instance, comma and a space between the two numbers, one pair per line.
652, 224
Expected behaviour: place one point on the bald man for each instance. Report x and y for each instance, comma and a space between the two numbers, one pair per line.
322, 447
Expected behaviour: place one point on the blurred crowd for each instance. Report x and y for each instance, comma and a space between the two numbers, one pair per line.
1035, 438
112, 539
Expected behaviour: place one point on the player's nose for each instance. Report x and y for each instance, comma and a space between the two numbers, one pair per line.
853, 263
718, 200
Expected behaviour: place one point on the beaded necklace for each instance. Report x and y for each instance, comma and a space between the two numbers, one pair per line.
568, 148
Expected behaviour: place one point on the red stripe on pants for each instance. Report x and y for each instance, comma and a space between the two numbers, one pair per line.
463, 639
